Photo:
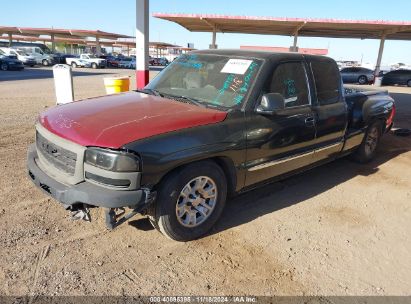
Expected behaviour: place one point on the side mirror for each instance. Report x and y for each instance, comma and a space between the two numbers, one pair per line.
270, 103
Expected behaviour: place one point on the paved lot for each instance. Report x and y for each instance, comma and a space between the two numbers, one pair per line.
341, 229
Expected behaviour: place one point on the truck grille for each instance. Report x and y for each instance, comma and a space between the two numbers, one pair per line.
64, 160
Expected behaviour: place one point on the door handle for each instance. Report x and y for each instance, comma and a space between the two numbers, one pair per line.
309, 121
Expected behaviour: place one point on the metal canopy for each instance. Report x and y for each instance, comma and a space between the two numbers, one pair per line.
332, 28
67, 33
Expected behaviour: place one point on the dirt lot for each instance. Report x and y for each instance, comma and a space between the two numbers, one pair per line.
341, 229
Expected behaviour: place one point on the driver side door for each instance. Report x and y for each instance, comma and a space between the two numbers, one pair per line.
283, 141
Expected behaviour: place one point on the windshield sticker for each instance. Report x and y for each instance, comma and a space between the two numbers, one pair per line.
239, 85
236, 66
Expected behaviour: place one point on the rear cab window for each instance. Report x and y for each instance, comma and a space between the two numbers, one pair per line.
327, 81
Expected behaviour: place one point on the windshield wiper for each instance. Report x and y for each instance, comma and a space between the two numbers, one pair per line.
150, 92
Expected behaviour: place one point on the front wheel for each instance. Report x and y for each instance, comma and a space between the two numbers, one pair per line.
368, 148
190, 201
94, 65
73, 65
362, 80
45, 62
4, 66
409, 83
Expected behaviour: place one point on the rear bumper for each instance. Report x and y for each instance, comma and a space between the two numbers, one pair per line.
84, 192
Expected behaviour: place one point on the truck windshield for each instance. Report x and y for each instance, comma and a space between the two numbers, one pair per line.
210, 80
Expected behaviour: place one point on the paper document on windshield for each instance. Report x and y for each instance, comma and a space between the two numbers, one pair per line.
236, 66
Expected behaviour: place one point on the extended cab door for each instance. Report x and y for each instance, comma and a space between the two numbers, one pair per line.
329, 107
284, 141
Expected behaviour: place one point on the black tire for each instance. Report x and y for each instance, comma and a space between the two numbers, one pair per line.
45, 62
368, 148
4, 66
73, 65
409, 83
362, 79
164, 215
94, 65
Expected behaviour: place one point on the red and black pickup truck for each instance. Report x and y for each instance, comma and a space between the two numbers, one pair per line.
212, 124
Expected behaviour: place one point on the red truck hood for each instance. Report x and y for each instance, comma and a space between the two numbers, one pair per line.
115, 120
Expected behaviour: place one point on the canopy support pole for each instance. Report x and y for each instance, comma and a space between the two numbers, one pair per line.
214, 39
142, 35
380, 53
294, 49
53, 44
98, 46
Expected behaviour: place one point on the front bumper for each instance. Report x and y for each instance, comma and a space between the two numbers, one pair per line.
84, 192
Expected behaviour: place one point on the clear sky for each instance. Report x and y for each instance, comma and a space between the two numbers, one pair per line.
119, 16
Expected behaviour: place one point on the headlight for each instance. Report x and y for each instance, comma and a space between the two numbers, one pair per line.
116, 161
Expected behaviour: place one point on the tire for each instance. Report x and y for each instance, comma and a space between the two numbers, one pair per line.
4, 66
73, 65
45, 62
368, 148
362, 79
409, 83
170, 214
94, 65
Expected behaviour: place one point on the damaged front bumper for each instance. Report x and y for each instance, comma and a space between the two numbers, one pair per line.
85, 194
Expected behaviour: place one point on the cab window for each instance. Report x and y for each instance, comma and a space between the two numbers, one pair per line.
290, 80
327, 82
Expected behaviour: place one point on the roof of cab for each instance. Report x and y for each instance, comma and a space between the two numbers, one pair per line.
257, 54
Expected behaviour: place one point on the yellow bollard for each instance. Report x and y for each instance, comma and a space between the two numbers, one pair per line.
117, 84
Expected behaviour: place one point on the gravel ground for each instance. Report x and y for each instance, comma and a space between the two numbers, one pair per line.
341, 229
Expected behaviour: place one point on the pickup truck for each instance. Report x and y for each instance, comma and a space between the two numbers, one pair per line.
212, 124
87, 60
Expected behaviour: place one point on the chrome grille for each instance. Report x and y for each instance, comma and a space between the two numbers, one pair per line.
64, 160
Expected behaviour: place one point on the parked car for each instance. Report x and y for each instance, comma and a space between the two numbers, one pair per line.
10, 62
397, 77
176, 149
86, 60
128, 63
61, 57
112, 61
158, 61
23, 57
357, 75
38, 54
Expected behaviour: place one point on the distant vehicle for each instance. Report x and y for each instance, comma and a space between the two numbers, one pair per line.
158, 61
21, 55
61, 58
10, 62
357, 75
127, 62
87, 60
36, 52
112, 61
400, 77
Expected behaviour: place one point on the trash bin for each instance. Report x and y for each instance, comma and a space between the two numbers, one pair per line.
378, 81
117, 84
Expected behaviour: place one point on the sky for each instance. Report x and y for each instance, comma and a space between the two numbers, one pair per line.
119, 17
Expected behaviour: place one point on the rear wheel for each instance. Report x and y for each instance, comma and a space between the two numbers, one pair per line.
73, 64
362, 79
190, 201
4, 66
409, 83
368, 148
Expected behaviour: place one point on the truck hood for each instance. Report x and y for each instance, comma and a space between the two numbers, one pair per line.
115, 120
